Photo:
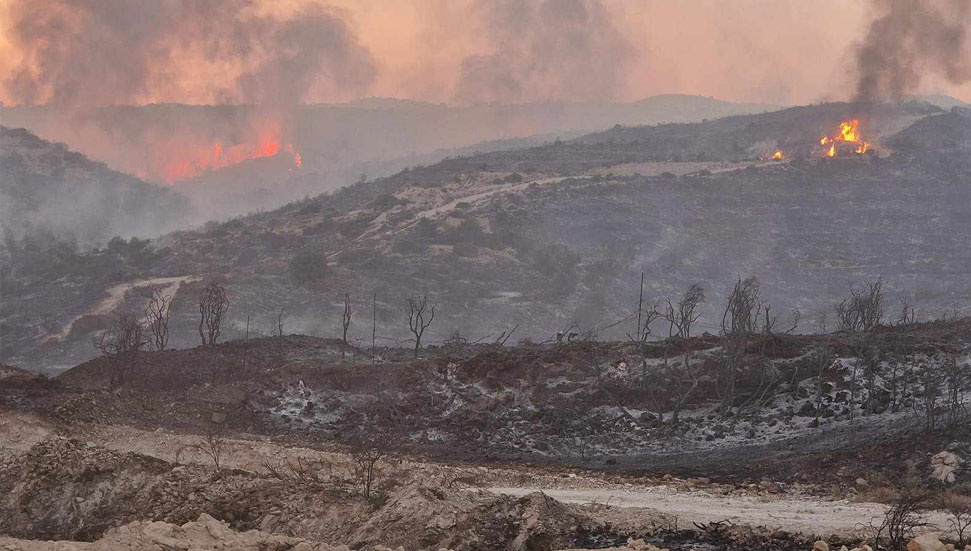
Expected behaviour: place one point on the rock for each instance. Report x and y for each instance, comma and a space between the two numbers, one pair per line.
163, 535
927, 542
268, 523
820, 545
861, 482
303, 546
945, 466
808, 409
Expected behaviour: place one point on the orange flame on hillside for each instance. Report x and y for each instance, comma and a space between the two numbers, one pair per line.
849, 132
777, 155
188, 162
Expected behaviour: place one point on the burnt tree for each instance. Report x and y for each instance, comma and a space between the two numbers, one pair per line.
345, 323
213, 305
157, 314
738, 321
862, 310
120, 345
646, 315
682, 315
420, 316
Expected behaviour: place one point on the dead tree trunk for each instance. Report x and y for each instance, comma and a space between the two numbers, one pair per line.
420, 316
345, 324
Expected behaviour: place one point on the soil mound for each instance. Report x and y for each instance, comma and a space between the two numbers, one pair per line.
71, 490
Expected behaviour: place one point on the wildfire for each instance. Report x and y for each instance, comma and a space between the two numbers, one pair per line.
188, 162
848, 133
777, 155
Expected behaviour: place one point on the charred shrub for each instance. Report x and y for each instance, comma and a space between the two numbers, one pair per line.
309, 267
465, 250
385, 202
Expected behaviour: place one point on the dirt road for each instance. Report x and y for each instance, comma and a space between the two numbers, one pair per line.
796, 513
813, 517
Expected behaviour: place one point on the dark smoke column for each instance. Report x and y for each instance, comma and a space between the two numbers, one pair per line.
910, 38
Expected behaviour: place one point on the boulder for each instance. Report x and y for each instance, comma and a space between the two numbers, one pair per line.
945, 466
927, 542
820, 546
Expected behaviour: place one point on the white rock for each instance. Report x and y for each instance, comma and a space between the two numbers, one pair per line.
927, 542
945, 466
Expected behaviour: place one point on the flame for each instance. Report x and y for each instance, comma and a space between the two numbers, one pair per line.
777, 155
848, 133
187, 162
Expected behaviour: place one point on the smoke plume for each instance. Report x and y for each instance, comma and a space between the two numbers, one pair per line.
78, 53
912, 38
554, 50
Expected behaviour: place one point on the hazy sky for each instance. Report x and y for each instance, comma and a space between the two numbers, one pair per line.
84, 52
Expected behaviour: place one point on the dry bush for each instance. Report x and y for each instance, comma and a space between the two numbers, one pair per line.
958, 508
212, 445
366, 455
863, 310
313, 471
904, 517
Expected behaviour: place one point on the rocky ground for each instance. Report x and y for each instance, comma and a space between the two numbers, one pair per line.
104, 482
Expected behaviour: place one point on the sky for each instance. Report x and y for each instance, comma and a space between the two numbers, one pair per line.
86, 53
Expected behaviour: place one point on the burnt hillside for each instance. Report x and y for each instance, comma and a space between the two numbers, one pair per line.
545, 237
47, 190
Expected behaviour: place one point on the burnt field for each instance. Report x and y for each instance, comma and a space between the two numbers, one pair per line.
270, 434
654, 408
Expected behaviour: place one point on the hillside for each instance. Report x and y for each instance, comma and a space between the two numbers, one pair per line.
553, 238
337, 143
49, 190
